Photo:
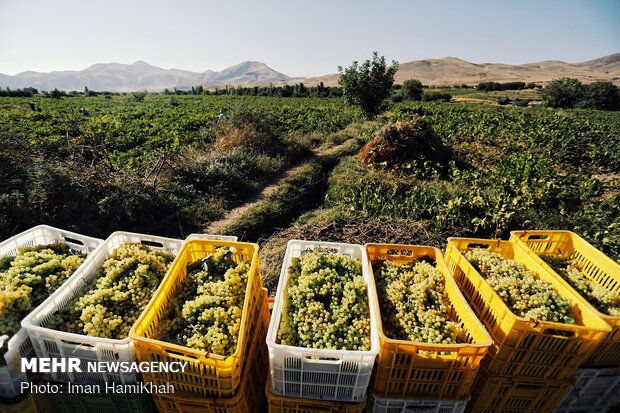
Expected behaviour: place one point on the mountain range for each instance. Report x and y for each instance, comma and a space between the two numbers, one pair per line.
117, 77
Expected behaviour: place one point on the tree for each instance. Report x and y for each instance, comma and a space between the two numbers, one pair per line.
563, 93
412, 89
600, 95
366, 85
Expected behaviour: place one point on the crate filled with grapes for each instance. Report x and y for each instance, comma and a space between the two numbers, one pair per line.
322, 337
540, 328
250, 395
90, 316
206, 312
33, 265
592, 274
431, 341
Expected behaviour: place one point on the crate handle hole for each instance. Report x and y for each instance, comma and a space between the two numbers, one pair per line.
537, 237
397, 252
478, 245
75, 343
152, 243
420, 409
326, 360
563, 333
179, 355
73, 241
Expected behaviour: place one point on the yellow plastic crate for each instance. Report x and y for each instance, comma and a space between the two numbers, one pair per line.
208, 375
287, 404
492, 394
595, 265
249, 399
525, 347
449, 372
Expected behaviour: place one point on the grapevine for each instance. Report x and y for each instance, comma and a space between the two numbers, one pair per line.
31, 276
604, 300
521, 290
413, 303
325, 304
114, 299
205, 313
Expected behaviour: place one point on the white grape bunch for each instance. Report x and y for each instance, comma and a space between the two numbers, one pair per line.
113, 300
31, 276
325, 304
523, 292
603, 299
205, 313
413, 303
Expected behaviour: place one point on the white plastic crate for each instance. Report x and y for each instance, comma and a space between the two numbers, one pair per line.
595, 390
59, 344
340, 375
20, 345
378, 404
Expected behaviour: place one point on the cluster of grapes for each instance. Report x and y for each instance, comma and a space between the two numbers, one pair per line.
521, 290
604, 300
413, 303
114, 299
31, 276
325, 304
205, 313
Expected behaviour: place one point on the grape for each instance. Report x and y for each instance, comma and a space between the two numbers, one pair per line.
325, 304
205, 313
413, 303
31, 276
523, 292
604, 300
114, 299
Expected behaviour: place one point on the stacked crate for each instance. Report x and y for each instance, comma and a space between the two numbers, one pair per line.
211, 383
55, 344
20, 344
414, 376
531, 364
597, 381
307, 380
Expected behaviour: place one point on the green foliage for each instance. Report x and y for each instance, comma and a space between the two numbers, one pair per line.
139, 96
436, 97
600, 95
366, 85
563, 93
412, 89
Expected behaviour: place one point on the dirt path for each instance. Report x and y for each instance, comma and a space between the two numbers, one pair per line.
217, 226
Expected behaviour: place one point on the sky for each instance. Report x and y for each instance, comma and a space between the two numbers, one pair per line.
309, 38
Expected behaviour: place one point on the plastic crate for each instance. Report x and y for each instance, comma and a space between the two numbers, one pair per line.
492, 394
598, 267
340, 375
105, 402
524, 347
405, 368
209, 375
20, 345
595, 390
284, 404
59, 344
250, 397
379, 404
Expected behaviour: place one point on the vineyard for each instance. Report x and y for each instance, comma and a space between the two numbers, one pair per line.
164, 165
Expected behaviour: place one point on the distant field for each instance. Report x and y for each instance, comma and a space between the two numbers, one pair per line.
165, 166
